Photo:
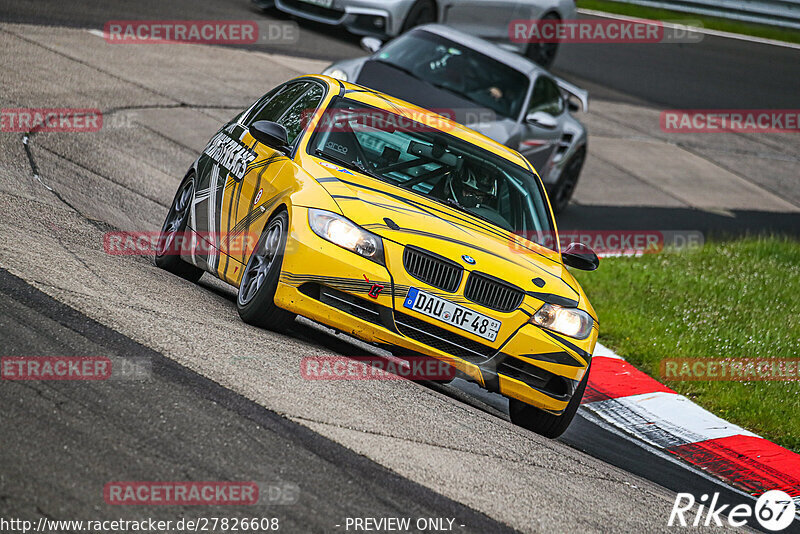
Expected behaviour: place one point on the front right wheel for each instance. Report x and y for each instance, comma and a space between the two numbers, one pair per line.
561, 193
256, 300
543, 423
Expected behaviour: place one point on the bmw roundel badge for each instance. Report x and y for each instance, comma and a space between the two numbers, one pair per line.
468, 259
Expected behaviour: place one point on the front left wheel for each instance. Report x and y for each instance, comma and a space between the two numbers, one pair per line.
256, 300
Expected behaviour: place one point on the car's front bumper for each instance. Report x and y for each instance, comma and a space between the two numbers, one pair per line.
362, 17
330, 285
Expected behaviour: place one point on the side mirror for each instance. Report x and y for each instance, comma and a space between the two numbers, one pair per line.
371, 44
581, 257
271, 134
542, 119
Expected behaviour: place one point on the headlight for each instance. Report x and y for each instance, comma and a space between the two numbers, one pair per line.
340, 231
571, 322
339, 74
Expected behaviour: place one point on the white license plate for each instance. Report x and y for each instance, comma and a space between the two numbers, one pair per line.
321, 3
452, 314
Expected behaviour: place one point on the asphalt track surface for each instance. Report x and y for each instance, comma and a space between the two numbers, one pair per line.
716, 73
176, 425
223, 401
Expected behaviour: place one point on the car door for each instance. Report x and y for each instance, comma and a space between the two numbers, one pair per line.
539, 141
247, 202
489, 19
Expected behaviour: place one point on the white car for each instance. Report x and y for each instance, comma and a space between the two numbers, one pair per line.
489, 19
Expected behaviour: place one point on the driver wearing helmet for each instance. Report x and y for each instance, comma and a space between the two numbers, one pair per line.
471, 188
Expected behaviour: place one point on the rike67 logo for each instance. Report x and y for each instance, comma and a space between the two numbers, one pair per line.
774, 511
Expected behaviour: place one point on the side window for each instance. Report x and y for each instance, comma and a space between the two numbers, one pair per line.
296, 117
546, 97
273, 107
249, 112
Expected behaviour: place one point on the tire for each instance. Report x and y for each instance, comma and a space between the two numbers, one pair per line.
543, 54
256, 299
176, 222
561, 193
422, 12
543, 423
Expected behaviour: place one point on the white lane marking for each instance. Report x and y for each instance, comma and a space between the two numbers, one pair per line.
705, 31
602, 350
664, 419
658, 452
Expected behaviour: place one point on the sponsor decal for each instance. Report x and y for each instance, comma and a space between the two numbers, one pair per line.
333, 167
231, 154
336, 147
258, 196
375, 290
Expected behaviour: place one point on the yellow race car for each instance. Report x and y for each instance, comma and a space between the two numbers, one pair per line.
395, 225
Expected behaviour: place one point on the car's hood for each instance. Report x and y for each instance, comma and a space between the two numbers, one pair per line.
406, 218
500, 130
392, 81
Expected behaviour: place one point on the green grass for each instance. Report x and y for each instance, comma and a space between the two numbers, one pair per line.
736, 299
712, 23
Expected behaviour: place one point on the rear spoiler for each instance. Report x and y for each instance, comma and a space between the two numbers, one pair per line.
574, 90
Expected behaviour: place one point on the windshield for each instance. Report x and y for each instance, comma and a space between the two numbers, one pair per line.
460, 70
425, 159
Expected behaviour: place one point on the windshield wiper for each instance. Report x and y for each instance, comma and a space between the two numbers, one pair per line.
352, 165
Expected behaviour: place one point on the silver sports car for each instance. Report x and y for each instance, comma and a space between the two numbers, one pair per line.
488, 19
500, 94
